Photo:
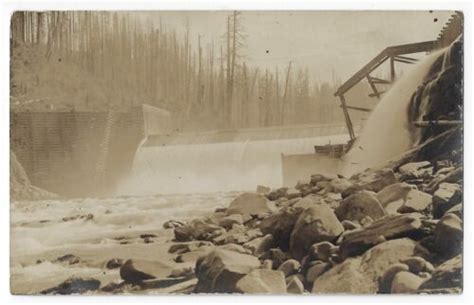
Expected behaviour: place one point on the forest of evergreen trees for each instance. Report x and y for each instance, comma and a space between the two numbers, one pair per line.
98, 61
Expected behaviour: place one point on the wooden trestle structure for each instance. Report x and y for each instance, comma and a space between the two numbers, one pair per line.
394, 54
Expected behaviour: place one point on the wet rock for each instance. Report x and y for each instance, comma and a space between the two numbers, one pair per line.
198, 230
250, 204
147, 235
322, 251
454, 176
315, 224
360, 274
414, 170
278, 193
261, 189
394, 192
339, 185
278, 257
220, 270
318, 178
457, 210
135, 271
417, 264
236, 248
317, 269
71, 259
302, 185
290, 267
191, 257
386, 280
295, 285
293, 193
229, 221
75, 217
74, 285
114, 263
350, 225
188, 247
416, 201
262, 281
359, 205
267, 264
371, 180
406, 282
116, 287
259, 245
446, 275
181, 272
448, 235
445, 197
392, 226
280, 225
366, 221
220, 210
148, 240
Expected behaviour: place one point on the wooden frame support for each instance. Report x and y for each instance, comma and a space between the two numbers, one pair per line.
350, 128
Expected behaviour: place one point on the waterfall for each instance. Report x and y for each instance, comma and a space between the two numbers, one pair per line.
388, 132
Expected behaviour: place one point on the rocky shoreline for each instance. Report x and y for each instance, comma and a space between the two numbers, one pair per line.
396, 229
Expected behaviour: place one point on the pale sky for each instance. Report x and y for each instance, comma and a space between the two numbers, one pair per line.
326, 42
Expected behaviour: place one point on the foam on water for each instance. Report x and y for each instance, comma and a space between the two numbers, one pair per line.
203, 168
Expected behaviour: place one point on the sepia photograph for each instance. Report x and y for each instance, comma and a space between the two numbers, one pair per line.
261, 152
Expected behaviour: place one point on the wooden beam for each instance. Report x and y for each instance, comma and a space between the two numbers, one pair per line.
423, 124
406, 58
392, 69
350, 128
374, 88
404, 61
379, 94
410, 48
376, 80
358, 108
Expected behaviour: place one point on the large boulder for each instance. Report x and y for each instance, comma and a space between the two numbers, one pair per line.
74, 285
250, 204
360, 205
262, 281
280, 226
394, 192
315, 224
220, 270
260, 244
446, 275
371, 180
448, 235
416, 201
360, 275
358, 241
445, 197
406, 282
277, 193
135, 271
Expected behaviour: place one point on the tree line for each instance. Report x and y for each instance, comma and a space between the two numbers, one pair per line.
208, 86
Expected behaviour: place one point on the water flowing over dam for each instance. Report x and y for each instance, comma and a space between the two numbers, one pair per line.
253, 157
388, 132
